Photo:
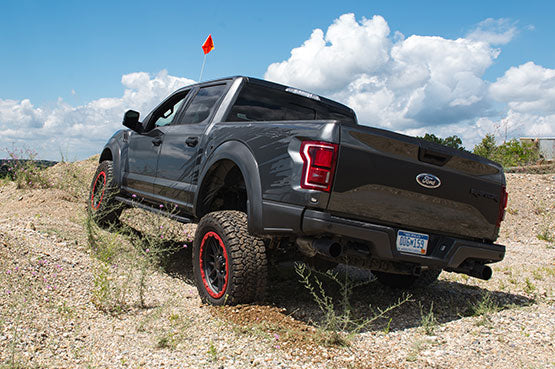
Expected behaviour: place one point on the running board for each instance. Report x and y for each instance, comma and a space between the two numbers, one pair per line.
140, 205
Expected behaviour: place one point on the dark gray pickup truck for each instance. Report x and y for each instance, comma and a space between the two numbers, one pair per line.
264, 167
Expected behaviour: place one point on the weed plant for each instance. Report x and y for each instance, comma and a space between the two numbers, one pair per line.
24, 169
126, 259
428, 320
483, 308
338, 326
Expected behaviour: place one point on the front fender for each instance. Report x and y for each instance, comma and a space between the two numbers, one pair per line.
116, 150
240, 154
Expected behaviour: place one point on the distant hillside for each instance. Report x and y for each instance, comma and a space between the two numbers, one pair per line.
10, 163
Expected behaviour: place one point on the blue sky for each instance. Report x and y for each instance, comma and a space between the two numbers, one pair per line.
64, 55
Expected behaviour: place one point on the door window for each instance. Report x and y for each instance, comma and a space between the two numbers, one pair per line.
166, 114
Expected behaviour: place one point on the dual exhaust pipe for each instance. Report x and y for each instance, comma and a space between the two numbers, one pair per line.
479, 271
330, 248
323, 246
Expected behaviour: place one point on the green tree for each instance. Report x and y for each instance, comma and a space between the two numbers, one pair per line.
451, 141
487, 147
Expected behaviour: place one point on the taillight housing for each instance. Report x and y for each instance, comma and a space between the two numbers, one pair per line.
503, 199
319, 159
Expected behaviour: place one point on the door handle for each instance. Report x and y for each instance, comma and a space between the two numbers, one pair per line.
191, 141
157, 141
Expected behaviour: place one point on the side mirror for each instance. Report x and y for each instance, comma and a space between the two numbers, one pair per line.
131, 120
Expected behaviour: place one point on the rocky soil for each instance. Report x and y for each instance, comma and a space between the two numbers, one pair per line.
65, 302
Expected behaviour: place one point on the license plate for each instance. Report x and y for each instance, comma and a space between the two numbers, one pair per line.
414, 243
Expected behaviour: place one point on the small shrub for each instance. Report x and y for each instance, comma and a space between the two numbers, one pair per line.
529, 286
483, 308
212, 352
24, 169
167, 340
486, 305
339, 325
509, 154
546, 235
388, 326
428, 320
107, 295
127, 257
512, 211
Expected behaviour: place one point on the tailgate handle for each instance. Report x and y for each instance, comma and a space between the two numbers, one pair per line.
433, 157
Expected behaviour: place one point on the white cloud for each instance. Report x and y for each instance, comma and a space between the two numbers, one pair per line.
528, 88
529, 92
81, 130
494, 31
393, 82
326, 62
422, 84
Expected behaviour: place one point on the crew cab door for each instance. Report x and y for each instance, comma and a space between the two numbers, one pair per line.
144, 148
183, 146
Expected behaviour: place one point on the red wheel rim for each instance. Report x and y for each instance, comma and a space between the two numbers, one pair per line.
98, 190
214, 267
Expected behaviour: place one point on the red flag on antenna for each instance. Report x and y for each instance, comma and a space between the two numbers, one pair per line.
208, 45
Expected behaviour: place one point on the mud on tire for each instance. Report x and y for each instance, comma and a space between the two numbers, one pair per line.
426, 278
102, 205
230, 265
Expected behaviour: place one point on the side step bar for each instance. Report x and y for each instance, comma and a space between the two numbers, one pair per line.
137, 204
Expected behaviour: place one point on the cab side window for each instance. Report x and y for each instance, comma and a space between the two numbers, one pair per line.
202, 105
167, 112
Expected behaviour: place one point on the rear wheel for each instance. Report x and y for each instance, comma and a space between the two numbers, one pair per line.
426, 278
102, 205
230, 265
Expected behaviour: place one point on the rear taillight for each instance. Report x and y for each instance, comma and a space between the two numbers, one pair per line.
503, 198
319, 164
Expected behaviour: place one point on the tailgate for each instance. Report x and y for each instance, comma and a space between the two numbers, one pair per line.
382, 177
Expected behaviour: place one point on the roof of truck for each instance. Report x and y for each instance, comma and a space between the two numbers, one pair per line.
290, 89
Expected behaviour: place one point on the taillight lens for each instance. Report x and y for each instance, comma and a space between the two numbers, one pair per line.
319, 164
503, 199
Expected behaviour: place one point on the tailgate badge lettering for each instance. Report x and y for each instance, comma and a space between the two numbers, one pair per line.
428, 180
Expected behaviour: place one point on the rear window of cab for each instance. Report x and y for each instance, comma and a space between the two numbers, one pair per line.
259, 103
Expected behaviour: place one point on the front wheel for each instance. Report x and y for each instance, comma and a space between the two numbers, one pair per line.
229, 264
102, 205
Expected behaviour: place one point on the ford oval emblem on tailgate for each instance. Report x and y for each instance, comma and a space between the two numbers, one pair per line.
428, 180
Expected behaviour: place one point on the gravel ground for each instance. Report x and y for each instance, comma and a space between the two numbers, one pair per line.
50, 316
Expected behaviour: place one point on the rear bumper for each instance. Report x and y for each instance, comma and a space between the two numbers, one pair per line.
443, 251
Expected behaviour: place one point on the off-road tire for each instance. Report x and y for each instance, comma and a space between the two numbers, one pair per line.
101, 204
426, 278
242, 260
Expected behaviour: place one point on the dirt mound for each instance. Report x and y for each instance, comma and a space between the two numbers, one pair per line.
53, 285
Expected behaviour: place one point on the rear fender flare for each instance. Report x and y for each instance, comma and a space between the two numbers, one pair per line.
240, 154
